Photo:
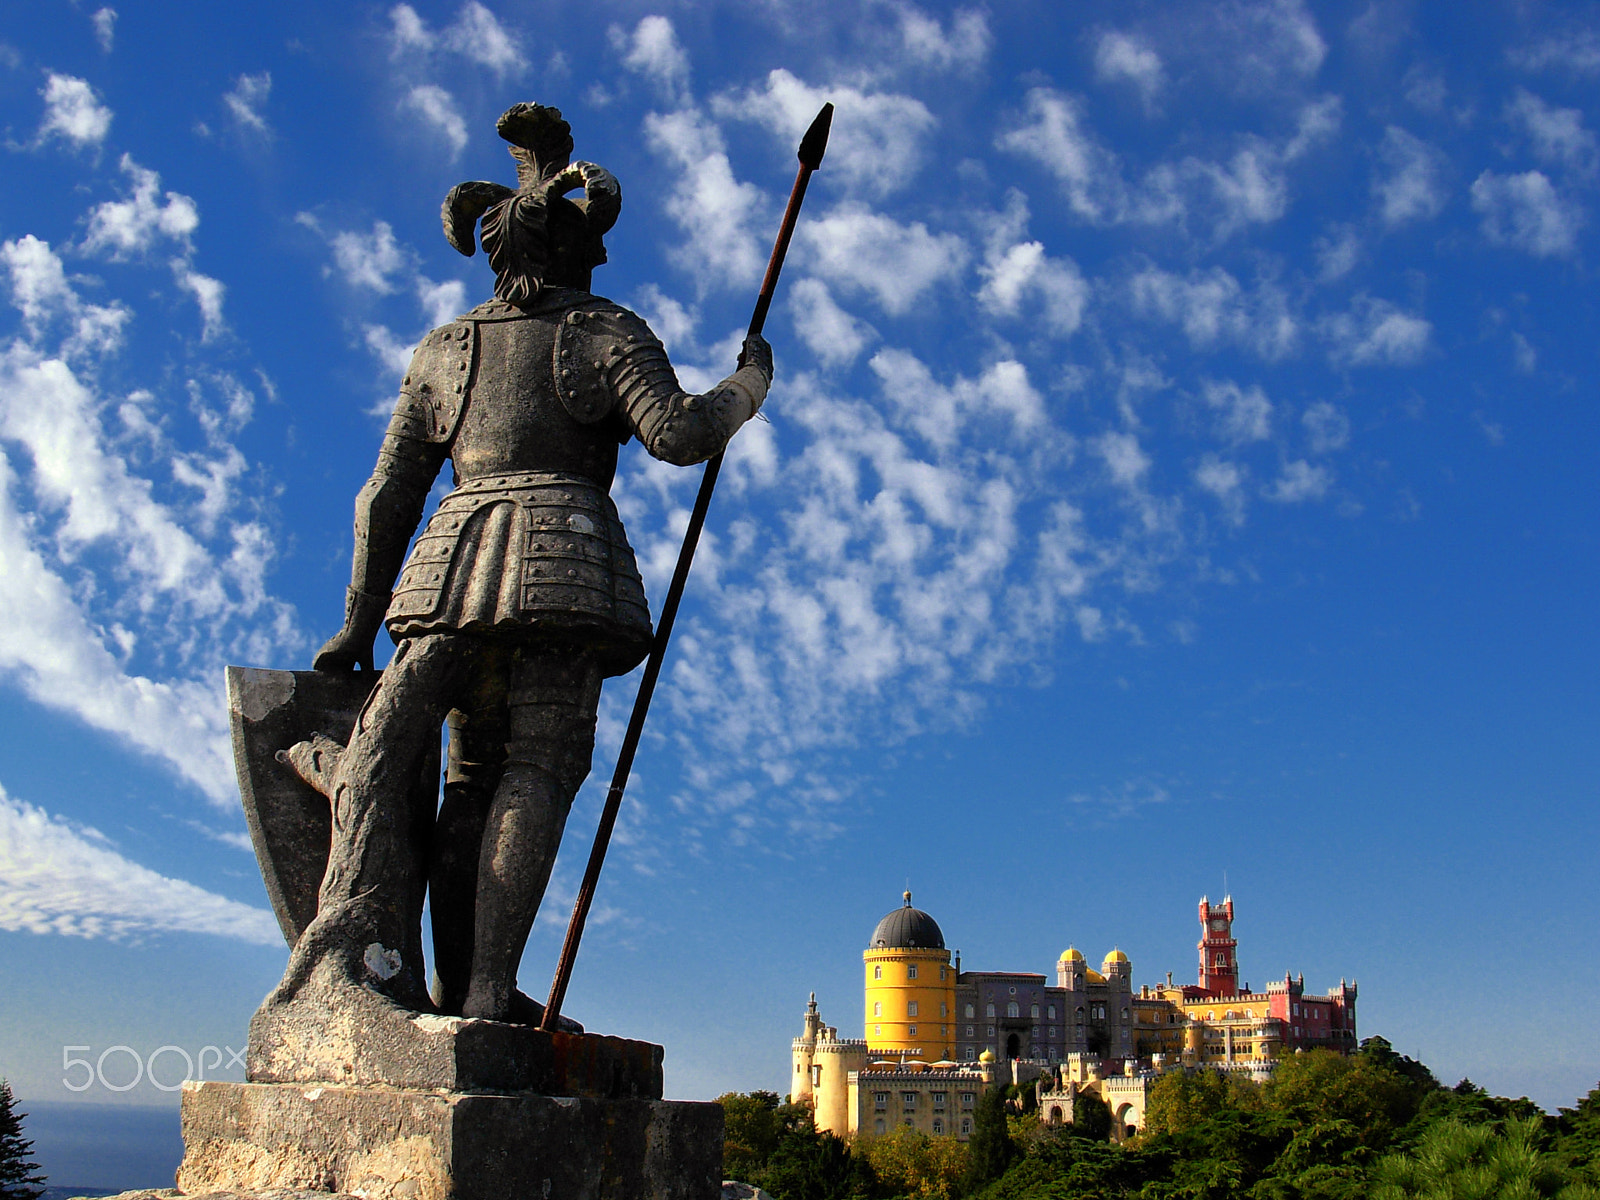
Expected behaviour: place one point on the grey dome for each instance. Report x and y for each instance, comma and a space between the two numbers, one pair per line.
909, 928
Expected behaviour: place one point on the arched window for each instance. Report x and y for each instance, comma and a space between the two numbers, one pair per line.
938, 1126
1013, 1009
966, 1125
911, 1008
969, 1012
1050, 1011
988, 1010
877, 1008
877, 971
911, 971
1033, 1012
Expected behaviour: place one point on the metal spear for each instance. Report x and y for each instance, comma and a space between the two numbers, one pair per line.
812, 147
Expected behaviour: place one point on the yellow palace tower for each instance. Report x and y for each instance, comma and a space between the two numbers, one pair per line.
910, 987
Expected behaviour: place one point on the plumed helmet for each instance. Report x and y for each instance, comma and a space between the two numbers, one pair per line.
528, 228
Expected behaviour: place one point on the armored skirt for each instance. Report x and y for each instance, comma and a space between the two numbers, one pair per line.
531, 556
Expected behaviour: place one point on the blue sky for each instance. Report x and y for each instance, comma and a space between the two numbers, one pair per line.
1179, 476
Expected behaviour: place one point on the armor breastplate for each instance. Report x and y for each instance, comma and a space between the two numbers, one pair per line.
515, 421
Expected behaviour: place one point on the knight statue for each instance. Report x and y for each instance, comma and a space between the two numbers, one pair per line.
519, 597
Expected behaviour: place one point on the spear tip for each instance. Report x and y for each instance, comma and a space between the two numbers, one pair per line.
815, 142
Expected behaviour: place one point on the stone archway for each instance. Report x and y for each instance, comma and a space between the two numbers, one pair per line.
1013, 1046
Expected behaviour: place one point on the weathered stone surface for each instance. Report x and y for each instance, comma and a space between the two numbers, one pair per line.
387, 1144
732, 1189
368, 1041
266, 1194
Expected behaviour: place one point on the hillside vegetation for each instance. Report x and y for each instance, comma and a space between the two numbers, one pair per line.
1372, 1126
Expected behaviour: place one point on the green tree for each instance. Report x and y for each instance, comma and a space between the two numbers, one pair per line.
807, 1165
990, 1150
751, 1132
1456, 1161
1578, 1135
19, 1174
1181, 1100
1368, 1091
909, 1163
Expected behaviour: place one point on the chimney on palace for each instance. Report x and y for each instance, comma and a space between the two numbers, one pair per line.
1219, 959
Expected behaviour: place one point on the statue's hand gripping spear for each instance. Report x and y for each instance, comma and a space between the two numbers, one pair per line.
812, 147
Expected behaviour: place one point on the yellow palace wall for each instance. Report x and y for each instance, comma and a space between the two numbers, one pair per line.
910, 989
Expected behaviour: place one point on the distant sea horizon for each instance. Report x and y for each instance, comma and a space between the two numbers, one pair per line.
88, 1149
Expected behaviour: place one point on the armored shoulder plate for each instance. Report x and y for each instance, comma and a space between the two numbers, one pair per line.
433, 395
591, 340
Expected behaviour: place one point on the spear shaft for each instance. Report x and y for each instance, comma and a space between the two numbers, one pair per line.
812, 147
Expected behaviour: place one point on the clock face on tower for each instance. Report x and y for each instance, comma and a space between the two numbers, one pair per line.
1219, 924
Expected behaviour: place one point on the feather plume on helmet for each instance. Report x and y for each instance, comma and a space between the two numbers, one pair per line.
532, 233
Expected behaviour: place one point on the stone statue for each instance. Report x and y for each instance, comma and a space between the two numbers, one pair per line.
519, 597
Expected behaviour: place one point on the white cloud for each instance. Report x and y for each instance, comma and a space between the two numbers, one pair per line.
1557, 134
1224, 481
169, 568
1327, 428
1271, 43
207, 292
1053, 134
1122, 56
1124, 800
1525, 211
1412, 184
1337, 254
105, 27
1212, 309
59, 878
1299, 481
1524, 354
830, 333
868, 252
438, 108
876, 144
1243, 414
1577, 51
1376, 333
710, 205
72, 111
476, 35
365, 260
124, 228
1248, 187
1123, 456
654, 51
939, 413
963, 46
1020, 278
246, 100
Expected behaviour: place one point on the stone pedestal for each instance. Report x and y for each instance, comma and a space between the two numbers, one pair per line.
399, 1144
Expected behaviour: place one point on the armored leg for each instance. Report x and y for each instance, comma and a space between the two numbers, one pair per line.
551, 710
477, 752
367, 928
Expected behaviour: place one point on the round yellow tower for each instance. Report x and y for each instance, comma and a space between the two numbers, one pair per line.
910, 987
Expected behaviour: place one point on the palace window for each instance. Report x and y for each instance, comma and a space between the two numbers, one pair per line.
881, 1099
877, 1008
969, 1012
970, 1032
911, 1008
938, 1125
877, 1031
908, 1099
966, 1099
1013, 991
991, 1031
1033, 1012
988, 1010
942, 971
911, 1031
911, 971
938, 1099
944, 1010
1050, 1011
966, 1125
877, 972
1013, 1009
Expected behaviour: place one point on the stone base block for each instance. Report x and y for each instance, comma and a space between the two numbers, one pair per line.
390, 1144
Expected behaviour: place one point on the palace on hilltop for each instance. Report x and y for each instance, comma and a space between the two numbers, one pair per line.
938, 1036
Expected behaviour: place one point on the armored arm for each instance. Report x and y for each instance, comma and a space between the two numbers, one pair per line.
388, 508
608, 359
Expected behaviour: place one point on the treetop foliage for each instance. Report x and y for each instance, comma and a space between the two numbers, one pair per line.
19, 1174
1374, 1125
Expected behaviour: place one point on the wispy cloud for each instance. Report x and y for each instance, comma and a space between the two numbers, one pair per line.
1123, 57
247, 98
1526, 212
70, 880
105, 28
476, 35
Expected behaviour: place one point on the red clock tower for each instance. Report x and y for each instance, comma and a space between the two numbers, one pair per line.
1219, 949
